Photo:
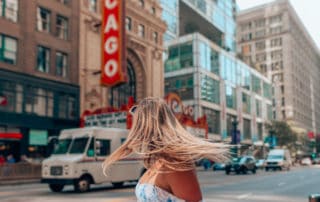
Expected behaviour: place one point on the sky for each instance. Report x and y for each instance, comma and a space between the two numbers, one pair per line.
307, 10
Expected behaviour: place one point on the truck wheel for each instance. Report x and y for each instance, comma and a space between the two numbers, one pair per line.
82, 185
56, 187
117, 184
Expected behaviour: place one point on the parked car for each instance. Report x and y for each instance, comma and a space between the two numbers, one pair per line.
241, 165
260, 163
218, 166
316, 161
306, 162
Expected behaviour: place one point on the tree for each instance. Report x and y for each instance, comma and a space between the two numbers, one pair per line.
283, 132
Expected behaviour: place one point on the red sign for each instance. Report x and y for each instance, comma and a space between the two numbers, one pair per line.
113, 63
3, 100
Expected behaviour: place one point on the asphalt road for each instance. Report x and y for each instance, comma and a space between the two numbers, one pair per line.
291, 186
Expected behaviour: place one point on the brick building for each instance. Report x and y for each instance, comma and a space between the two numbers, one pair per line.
39, 81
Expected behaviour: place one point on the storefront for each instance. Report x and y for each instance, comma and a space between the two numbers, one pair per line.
36, 109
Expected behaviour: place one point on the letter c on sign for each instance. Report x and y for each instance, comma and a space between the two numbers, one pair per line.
111, 68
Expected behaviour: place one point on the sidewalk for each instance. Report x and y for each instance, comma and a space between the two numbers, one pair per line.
19, 182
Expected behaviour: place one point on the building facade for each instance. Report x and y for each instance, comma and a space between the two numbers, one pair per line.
273, 40
39, 88
144, 39
202, 68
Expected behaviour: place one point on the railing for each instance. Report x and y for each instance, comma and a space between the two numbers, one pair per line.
19, 171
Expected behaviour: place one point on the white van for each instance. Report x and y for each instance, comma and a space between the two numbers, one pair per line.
77, 160
278, 159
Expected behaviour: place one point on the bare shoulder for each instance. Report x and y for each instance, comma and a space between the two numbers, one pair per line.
184, 184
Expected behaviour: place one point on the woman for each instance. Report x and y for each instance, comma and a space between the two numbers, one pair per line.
169, 153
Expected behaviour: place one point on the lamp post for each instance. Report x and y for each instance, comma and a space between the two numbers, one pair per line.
234, 137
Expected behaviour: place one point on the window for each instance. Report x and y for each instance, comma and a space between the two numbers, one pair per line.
209, 58
231, 97
213, 120
103, 147
62, 27
258, 108
12, 94
141, 3
153, 10
38, 101
171, 21
43, 20
260, 22
181, 85
246, 103
275, 19
8, 50
61, 64
128, 24
66, 106
276, 30
230, 127
179, 57
261, 45
43, 59
269, 112
92, 5
155, 37
65, 2
256, 84
141, 30
246, 129
261, 57
267, 90
276, 54
9, 9
210, 89
260, 33
276, 42
119, 94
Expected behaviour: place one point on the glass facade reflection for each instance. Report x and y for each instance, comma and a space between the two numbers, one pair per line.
170, 14
217, 84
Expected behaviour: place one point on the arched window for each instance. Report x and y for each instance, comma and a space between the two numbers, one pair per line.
120, 94
141, 3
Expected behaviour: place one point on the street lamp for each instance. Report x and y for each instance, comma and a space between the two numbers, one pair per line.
234, 137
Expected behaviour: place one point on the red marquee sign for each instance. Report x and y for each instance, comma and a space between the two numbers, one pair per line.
113, 64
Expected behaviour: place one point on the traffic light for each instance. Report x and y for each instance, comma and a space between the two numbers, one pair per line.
313, 155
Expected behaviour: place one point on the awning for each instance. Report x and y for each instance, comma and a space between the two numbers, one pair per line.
11, 136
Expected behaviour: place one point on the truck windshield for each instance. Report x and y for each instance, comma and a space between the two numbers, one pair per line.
62, 147
79, 145
274, 157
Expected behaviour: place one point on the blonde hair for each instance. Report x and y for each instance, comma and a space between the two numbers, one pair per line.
157, 135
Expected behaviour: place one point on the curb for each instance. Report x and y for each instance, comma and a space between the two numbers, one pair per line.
19, 182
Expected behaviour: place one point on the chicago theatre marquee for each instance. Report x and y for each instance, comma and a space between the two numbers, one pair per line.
125, 47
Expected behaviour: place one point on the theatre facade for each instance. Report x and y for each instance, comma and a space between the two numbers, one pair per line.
143, 52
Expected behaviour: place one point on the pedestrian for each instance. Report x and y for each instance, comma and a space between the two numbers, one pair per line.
10, 159
169, 154
2, 160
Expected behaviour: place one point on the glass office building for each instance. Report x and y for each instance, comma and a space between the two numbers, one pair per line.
202, 68
218, 14
218, 85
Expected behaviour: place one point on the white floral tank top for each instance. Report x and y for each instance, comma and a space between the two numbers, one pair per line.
151, 193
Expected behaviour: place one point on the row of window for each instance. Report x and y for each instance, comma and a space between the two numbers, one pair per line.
8, 54
261, 45
35, 100
44, 61
141, 30
260, 33
261, 22
44, 23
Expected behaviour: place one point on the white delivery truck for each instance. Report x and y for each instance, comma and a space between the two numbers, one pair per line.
278, 159
77, 160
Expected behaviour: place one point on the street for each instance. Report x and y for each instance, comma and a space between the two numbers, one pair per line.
294, 186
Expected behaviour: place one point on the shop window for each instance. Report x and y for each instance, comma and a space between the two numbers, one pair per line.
213, 119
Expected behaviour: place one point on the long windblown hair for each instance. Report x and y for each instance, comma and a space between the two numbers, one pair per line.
157, 135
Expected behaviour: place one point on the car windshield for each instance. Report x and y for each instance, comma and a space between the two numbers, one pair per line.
275, 157
79, 145
239, 160
63, 146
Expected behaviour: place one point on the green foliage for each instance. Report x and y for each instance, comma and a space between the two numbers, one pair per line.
283, 132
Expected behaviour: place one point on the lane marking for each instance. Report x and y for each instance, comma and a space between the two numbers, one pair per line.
243, 196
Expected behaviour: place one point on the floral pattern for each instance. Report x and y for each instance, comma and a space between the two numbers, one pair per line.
151, 193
